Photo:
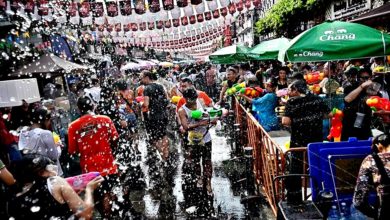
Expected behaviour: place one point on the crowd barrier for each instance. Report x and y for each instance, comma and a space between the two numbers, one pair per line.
269, 159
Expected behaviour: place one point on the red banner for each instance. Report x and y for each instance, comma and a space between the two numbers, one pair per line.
43, 8
142, 26
3, 4
240, 6
72, 9
159, 24
125, 7
28, 7
176, 22
168, 4
112, 9
118, 27
192, 19
168, 24
139, 6
200, 18
126, 28
232, 8
134, 26
224, 11
257, 3
248, 3
154, 6
216, 13
84, 9
182, 3
184, 21
196, 2
98, 10
151, 25
208, 16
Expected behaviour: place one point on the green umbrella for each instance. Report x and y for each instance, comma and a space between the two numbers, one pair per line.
268, 50
230, 54
336, 40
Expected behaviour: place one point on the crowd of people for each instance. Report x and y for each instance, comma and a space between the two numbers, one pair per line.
111, 114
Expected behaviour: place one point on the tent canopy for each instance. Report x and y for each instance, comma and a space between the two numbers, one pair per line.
230, 54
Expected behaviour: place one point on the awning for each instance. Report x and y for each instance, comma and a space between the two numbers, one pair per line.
377, 12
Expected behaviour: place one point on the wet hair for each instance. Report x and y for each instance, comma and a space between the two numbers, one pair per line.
149, 74
122, 85
365, 70
232, 68
383, 139
85, 104
40, 115
285, 69
162, 73
245, 66
186, 80
300, 86
190, 93
30, 167
352, 72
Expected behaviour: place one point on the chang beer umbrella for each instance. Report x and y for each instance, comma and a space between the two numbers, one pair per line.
268, 50
336, 40
230, 54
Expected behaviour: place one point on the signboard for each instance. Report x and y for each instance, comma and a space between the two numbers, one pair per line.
346, 8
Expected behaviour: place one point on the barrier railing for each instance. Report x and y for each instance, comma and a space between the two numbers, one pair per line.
269, 160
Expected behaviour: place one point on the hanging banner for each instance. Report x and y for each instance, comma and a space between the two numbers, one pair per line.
118, 27
256, 3
192, 19
112, 9
168, 24
126, 28
142, 26
232, 8
196, 2
208, 16
154, 6
248, 4
151, 25
3, 4
28, 7
43, 8
176, 22
100, 27
15, 5
98, 10
200, 18
134, 26
168, 4
84, 9
72, 9
216, 13
184, 21
125, 7
182, 3
110, 27
224, 11
139, 6
240, 6
159, 24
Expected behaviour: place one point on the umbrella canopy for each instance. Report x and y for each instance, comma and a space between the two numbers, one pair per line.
48, 63
166, 64
146, 63
230, 54
336, 40
131, 66
268, 50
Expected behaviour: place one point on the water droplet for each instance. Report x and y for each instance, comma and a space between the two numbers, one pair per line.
35, 208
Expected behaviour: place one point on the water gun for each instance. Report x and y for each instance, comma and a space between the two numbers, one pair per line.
80, 182
314, 77
337, 125
252, 92
211, 113
56, 137
377, 103
316, 89
175, 99
235, 88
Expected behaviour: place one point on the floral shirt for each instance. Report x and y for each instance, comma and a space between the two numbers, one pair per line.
369, 179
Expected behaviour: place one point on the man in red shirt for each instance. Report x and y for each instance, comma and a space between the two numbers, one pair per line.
92, 136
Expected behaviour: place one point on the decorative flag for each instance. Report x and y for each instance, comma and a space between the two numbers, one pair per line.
208, 16
154, 6
184, 21
118, 27
126, 28
29, 7
176, 22
168, 4
257, 3
240, 6
167, 24
196, 2
192, 19
72, 9
134, 26
216, 13
125, 7
159, 24
150, 25
84, 9
232, 8
139, 6
43, 8
142, 26
200, 18
224, 11
3, 4
112, 9
248, 3
182, 3
98, 10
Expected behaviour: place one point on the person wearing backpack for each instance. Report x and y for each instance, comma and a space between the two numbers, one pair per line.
374, 173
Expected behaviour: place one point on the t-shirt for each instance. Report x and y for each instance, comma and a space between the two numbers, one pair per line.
202, 96
91, 136
157, 101
306, 114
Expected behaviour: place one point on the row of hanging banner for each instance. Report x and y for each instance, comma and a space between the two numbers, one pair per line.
147, 13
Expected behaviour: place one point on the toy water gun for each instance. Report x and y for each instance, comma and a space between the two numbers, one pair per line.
316, 89
335, 130
235, 88
377, 103
314, 77
252, 92
56, 137
211, 113
175, 99
379, 69
80, 182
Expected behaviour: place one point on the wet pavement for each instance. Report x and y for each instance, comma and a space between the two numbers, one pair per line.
183, 199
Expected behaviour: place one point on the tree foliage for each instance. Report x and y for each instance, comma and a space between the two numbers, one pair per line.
286, 15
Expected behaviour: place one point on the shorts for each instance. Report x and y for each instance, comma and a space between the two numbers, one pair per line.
156, 128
